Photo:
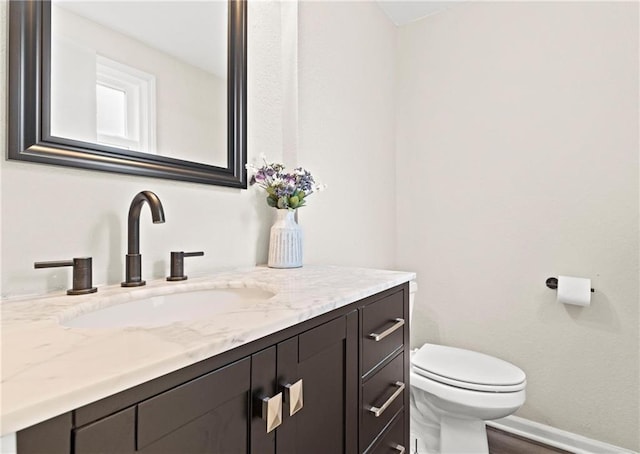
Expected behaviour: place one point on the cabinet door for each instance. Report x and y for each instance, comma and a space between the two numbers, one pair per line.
222, 430
51, 436
325, 359
206, 415
114, 434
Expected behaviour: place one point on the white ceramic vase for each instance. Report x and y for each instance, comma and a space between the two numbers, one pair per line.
285, 242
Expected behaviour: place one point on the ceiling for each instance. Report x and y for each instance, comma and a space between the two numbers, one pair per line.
402, 12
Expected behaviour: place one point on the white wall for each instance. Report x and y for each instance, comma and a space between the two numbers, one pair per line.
347, 131
517, 160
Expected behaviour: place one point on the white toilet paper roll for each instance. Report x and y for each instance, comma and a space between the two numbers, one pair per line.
574, 290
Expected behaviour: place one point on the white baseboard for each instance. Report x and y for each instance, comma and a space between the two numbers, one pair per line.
555, 437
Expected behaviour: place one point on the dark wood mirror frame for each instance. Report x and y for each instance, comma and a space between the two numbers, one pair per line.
29, 107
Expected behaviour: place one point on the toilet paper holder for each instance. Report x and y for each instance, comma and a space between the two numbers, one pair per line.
552, 283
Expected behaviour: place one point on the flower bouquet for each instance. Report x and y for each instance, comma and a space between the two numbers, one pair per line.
286, 191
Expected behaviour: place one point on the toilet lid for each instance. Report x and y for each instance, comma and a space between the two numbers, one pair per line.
467, 369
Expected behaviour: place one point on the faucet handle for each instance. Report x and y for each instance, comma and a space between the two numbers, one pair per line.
177, 264
81, 273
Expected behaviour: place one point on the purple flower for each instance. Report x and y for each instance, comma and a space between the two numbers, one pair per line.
289, 190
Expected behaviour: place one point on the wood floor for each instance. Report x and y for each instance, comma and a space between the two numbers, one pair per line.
501, 442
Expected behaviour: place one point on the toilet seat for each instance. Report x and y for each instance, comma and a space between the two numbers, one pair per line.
467, 369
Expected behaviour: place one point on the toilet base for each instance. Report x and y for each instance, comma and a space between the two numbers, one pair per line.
434, 431
463, 436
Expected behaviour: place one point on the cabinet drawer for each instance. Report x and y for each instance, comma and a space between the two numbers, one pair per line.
382, 398
165, 413
393, 440
383, 326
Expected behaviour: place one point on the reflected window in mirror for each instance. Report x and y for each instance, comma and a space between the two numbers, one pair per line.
125, 106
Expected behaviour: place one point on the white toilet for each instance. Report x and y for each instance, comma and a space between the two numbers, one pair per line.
453, 393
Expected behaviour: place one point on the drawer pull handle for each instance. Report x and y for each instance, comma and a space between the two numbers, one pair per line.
399, 323
293, 395
399, 448
377, 411
272, 411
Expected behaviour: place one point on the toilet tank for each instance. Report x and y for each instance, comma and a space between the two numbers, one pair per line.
413, 288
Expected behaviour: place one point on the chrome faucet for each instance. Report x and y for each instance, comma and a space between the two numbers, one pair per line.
133, 259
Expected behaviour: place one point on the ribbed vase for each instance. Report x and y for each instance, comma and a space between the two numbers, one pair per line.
285, 242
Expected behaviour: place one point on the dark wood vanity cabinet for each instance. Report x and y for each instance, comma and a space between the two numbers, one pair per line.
354, 392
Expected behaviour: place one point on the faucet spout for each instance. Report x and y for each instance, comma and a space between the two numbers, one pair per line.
133, 223
133, 274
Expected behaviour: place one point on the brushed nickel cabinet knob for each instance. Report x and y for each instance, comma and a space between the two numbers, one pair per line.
293, 395
272, 411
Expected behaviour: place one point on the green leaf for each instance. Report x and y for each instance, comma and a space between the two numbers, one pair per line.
282, 202
294, 201
271, 201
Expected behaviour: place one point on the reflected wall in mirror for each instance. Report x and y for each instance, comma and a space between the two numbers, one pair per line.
155, 88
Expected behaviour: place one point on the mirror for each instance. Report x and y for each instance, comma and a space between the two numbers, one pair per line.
153, 88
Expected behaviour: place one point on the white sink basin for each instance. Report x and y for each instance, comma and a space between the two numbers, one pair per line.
165, 309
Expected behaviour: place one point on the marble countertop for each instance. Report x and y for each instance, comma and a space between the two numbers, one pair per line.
49, 369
